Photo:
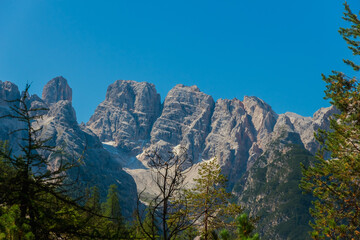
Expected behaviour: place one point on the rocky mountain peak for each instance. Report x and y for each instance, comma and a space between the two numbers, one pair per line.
127, 114
56, 90
8, 92
185, 119
193, 88
324, 113
131, 95
231, 137
252, 103
262, 116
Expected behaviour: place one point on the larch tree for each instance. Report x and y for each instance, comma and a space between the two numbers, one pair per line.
208, 200
38, 192
335, 181
35, 200
168, 209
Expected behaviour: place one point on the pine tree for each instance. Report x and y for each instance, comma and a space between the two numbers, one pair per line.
245, 228
114, 226
112, 208
32, 194
93, 201
209, 200
335, 181
31, 185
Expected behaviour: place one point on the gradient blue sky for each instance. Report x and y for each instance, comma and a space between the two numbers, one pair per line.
275, 50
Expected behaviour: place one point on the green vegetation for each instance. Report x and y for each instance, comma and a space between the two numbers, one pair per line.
335, 181
35, 202
274, 195
36, 198
208, 200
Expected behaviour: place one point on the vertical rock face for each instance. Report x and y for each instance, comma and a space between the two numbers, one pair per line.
55, 90
263, 119
270, 189
258, 150
127, 114
60, 126
98, 168
262, 116
185, 120
9, 92
232, 135
307, 126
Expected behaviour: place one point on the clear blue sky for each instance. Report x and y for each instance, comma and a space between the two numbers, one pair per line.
275, 50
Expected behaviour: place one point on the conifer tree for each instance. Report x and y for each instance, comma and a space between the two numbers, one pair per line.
32, 186
335, 181
245, 228
112, 208
114, 225
94, 200
209, 200
36, 196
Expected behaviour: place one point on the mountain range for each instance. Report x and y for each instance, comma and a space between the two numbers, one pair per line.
258, 150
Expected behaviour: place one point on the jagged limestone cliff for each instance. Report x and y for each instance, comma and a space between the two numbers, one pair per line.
59, 124
259, 150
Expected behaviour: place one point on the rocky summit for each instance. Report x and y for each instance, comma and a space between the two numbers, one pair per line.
259, 150
127, 115
55, 90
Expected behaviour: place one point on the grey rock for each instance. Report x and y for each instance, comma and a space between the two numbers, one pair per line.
263, 117
55, 90
307, 126
9, 92
269, 189
127, 114
257, 149
231, 137
285, 131
97, 167
185, 120
59, 125
254, 153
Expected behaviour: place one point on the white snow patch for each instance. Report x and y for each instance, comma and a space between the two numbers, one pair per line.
111, 143
177, 149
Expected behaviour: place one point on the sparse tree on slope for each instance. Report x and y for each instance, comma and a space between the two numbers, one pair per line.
168, 209
34, 198
38, 191
209, 199
335, 182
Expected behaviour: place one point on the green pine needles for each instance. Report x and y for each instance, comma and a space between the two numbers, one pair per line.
335, 181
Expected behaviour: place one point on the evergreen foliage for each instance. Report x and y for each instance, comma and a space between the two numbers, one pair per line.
34, 193
27, 181
112, 208
245, 228
209, 201
274, 195
335, 181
